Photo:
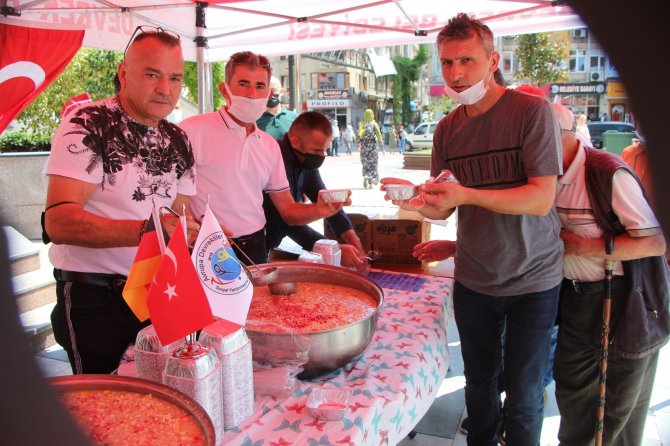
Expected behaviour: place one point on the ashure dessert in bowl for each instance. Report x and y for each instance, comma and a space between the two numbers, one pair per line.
124, 411
331, 317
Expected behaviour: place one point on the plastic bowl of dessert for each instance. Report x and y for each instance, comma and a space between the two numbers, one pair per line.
334, 195
401, 191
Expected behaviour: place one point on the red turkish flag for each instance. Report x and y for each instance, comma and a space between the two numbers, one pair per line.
31, 58
176, 301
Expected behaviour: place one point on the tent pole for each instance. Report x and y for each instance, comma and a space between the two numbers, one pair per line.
201, 44
291, 80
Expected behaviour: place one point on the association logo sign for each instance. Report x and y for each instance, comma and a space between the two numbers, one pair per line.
218, 268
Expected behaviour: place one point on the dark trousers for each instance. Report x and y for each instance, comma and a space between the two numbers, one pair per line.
252, 247
336, 146
576, 371
527, 320
94, 325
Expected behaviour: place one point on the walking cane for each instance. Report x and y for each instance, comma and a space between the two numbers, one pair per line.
607, 307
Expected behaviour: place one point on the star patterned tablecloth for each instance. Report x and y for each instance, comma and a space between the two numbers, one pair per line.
393, 383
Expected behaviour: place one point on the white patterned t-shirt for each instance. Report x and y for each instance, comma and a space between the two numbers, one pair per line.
133, 167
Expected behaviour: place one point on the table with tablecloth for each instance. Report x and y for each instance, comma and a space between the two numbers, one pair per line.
393, 382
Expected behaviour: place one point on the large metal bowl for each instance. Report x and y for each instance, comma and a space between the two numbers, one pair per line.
328, 350
64, 384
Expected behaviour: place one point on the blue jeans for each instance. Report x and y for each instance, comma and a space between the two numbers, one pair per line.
549, 376
528, 319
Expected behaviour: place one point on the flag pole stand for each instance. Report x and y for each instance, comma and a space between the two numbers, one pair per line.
195, 370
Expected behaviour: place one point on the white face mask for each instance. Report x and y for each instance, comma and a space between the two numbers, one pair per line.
470, 95
245, 109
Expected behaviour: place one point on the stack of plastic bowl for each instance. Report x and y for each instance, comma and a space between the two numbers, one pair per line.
151, 355
231, 343
329, 250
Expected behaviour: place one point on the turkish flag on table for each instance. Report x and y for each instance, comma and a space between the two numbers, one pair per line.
176, 301
31, 58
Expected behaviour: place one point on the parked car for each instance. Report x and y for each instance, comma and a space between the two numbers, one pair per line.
421, 137
596, 129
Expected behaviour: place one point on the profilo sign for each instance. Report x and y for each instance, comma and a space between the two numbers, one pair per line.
578, 88
328, 103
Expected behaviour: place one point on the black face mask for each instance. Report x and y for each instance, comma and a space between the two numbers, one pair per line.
273, 100
311, 160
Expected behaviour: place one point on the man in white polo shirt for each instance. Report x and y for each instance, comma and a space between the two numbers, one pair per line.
236, 162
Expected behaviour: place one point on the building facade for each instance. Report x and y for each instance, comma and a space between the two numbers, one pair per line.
342, 84
593, 86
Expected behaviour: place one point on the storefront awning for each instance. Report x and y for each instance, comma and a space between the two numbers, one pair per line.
437, 90
381, 65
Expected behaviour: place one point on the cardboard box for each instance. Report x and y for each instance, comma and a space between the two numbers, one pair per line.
362, 226
396, 238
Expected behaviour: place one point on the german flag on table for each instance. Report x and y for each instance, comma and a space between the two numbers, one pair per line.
144, 267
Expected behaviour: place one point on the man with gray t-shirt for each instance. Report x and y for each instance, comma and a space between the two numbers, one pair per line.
504, 148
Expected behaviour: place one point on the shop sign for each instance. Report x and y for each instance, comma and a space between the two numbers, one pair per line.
578, 88
616, 89
328, 103
332, 94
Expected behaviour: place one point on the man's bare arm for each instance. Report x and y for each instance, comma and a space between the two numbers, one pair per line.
69, 223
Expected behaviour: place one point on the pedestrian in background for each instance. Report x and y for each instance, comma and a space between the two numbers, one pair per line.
335, 143
582, 129
393, 139
348, 138
402, 139
370, 137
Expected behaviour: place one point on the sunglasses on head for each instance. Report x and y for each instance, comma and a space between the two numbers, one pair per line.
150, 30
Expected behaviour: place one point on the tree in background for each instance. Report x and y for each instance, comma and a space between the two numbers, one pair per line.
191, 82
541, 58
91, 70
440, 105
409, 71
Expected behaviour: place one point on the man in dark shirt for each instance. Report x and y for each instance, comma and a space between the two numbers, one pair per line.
303, 150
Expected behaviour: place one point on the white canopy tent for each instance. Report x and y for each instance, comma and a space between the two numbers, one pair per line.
213, 30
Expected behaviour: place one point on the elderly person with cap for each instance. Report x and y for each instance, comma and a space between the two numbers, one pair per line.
596, 186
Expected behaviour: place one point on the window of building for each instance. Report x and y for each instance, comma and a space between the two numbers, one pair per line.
329, 81
597, 60
507, 62
577, 61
